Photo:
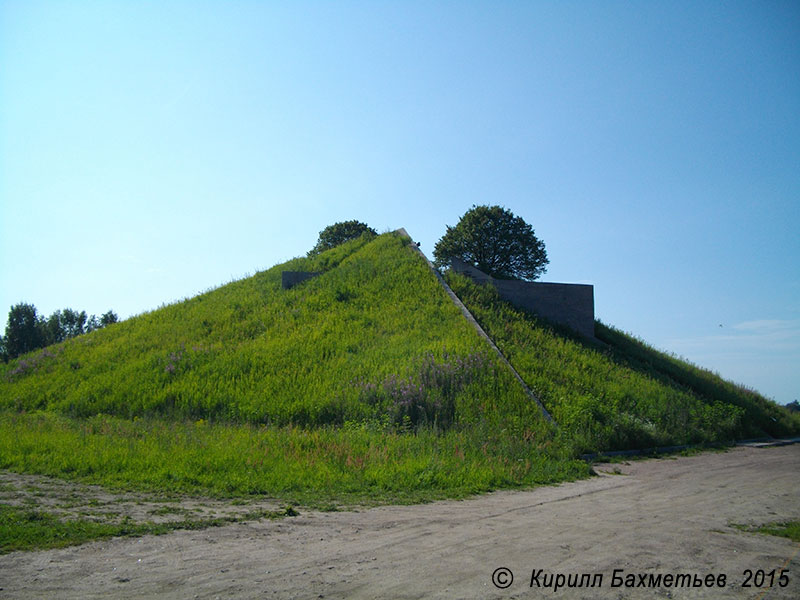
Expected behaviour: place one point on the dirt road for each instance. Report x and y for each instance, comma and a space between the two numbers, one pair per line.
658, 518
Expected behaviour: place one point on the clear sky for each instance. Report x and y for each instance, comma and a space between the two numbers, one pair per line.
152, 150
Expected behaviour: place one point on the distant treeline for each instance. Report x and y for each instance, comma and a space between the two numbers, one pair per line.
26, 331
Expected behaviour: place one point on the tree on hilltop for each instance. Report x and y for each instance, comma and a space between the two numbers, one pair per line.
339, 233
495, 241
108, 318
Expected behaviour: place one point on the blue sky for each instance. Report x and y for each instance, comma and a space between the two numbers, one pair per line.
152, 150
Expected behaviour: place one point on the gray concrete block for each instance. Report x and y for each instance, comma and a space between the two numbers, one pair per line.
569, 304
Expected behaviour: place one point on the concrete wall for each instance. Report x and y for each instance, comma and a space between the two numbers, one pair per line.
467, 269
569, 304
292, 278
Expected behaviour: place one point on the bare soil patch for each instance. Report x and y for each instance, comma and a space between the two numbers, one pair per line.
70, 500
655, 517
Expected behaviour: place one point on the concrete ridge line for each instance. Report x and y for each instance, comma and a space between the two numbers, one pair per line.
468, 315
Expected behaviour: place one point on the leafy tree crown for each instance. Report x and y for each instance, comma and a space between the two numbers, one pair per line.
496, 241
22, 330
339, 233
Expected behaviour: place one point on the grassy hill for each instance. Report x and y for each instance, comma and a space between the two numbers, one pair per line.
620, 394
363, 384
251, 351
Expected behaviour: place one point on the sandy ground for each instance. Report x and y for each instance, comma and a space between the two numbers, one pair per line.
655, 518
69, 500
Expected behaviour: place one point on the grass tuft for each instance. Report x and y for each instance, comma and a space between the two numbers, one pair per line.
787, 529
32, 529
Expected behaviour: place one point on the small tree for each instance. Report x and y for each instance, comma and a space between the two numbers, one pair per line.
23, 331
53, 329
73, 322
496, 241
108, 318
339, 233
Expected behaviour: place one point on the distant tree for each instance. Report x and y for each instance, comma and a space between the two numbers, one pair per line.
92, 323
496, 241
23, 332
108, 318
73, 322
339, 233
52, 329
794, 406
68, 323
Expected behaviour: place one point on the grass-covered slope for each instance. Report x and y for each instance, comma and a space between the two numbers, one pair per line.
251, 351
363, 382
625, 394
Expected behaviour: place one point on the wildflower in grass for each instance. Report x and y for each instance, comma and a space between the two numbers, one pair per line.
428, 397
22, 366
30, 364
173, 359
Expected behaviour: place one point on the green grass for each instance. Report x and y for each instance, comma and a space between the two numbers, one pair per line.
624, 394
358, 463
250, 351
32, 529
760, 416
787, 529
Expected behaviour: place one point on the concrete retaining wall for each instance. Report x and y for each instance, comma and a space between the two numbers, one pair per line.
569, 304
